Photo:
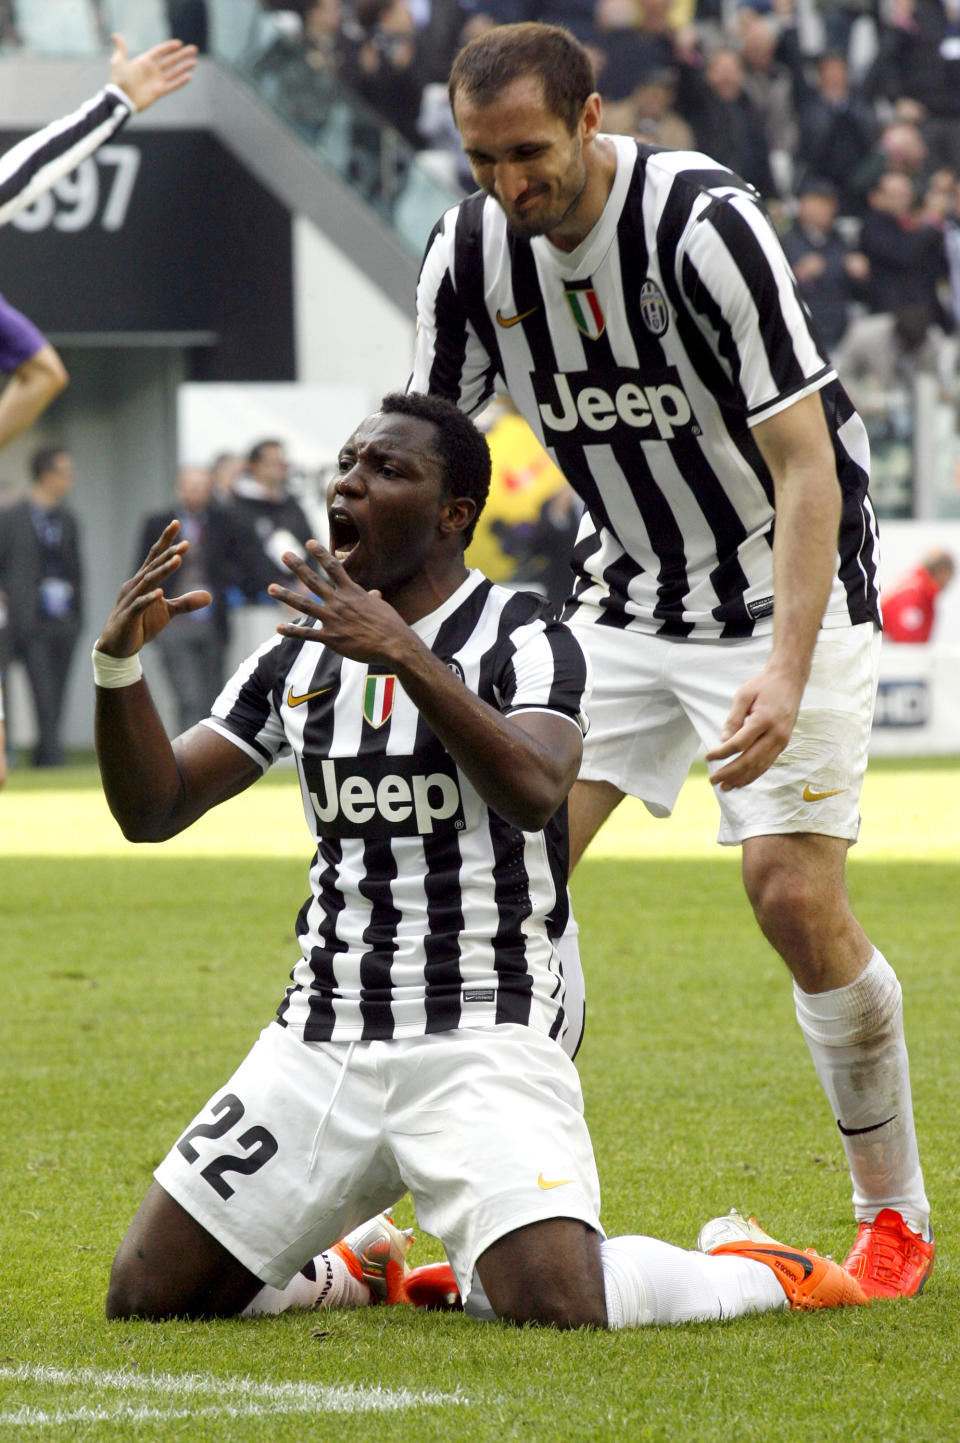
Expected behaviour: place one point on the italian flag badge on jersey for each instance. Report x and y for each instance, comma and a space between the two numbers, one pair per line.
585, 309
378, 694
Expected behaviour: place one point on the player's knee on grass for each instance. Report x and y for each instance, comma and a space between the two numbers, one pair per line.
549, 1272
169, 1266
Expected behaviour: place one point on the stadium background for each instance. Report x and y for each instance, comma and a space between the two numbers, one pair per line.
210, 278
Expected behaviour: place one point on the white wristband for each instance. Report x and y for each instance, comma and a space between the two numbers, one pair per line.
113, 671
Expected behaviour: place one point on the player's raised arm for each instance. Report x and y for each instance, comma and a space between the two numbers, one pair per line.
154, 788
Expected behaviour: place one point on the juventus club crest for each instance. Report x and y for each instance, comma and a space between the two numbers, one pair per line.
378, 694
586, 312
653, 308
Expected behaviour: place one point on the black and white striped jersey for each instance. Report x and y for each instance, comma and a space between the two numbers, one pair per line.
38, 162
641, 360
427, 911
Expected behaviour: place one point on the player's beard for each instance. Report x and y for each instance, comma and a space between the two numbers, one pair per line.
568, 197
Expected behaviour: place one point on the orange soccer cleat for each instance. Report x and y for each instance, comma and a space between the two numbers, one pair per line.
888, 1259
432, 1286
375, 1253
809, 1280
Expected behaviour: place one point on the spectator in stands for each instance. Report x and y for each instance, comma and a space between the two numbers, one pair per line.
880, 356
951, 244
837, 128
634, 39
919, 58
768, 81
439, 28
726, 123
576, 15
9, 35
839, 18
225, 467
42, 580
900, 146
298, 70
829, 272
262, 505
193, 655
189, 20
909, 606
649, 114
906, 253
380, 62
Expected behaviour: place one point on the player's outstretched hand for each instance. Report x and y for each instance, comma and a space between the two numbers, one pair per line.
141, 610
356, 623
156, 73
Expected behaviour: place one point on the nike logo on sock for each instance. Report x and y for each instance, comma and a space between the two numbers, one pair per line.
858, 1131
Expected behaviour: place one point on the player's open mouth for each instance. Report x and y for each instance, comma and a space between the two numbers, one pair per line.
344, 535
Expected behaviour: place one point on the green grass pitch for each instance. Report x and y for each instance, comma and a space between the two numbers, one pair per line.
135, 978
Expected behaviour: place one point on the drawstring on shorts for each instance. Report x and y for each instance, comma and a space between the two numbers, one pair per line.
321, 1129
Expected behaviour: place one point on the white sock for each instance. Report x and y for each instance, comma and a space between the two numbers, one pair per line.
855, 1037
326, 1282
648, 1281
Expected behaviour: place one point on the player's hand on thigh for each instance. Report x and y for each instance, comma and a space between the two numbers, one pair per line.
757, 729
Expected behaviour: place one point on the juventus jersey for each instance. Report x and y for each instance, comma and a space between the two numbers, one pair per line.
427, 911
35, 164
642, 360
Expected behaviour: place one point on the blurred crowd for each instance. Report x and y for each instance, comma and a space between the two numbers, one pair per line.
845, 116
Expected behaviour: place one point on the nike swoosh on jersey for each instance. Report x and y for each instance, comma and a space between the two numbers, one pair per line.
293, 700
508, 321
809, 795
859, 1131
560, 1182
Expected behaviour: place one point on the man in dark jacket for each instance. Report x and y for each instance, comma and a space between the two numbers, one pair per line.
194, 655
41, 577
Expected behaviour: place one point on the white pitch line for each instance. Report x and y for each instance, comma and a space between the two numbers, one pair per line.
237, 1397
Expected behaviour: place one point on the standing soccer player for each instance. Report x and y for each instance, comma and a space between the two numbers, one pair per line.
436, 723
638, 308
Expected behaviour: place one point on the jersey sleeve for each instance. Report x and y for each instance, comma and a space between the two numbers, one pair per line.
19, 337
544, 668
246, 711
450, 360
38, 162
743, 298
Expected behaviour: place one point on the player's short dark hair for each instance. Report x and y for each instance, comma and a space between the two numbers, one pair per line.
44, 460
255, 453
460, 448
491, 62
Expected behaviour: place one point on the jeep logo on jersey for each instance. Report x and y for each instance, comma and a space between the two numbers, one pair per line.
383, 796
575, 407
653, 308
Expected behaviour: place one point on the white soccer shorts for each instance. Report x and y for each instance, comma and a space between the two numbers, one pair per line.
655, 701
307, 1140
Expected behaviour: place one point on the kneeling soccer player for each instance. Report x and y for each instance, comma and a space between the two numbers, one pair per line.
436, 723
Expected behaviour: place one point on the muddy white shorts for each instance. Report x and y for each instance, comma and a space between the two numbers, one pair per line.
655, 701
483, 1126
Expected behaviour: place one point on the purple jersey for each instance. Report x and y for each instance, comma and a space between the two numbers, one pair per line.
19, 338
